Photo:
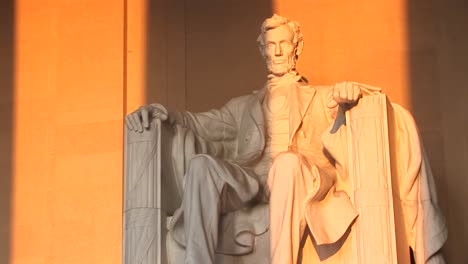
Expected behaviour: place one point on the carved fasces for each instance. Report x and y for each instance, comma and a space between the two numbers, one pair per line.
144, 219
370, 177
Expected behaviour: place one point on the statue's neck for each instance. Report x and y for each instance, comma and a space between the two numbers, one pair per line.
292, 73
278, 81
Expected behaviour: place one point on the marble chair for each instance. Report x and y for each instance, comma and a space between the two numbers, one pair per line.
153, 187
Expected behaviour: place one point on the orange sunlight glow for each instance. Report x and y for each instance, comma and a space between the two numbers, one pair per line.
363, 41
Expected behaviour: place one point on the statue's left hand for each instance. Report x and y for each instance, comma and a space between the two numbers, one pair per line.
345, 94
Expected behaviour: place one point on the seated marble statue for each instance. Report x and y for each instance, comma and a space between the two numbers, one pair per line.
274, 147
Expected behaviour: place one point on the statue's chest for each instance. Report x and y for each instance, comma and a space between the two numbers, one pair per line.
276, 111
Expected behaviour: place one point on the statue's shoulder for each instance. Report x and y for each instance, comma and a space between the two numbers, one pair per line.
322, 90
247, 97
256, 92
244, 100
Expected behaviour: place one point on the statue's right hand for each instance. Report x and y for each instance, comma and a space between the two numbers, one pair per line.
141, 118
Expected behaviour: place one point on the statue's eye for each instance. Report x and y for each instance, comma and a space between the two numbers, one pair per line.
286, 44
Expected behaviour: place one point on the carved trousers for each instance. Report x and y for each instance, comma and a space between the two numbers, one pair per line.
212, 187
290, 179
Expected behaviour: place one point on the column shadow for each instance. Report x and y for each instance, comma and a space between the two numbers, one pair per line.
438, 56
201, 48
6, 127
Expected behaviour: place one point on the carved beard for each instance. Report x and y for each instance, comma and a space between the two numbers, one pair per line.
280, 69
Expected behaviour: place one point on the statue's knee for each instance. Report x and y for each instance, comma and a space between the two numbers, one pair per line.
199, 167
285, 171
288, 159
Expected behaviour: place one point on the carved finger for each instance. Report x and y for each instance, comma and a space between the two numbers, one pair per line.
137, 122
144, 116
330, 92
128, 122
336, 91
132, 122
332, 104
344, 92
350, 90
356, 92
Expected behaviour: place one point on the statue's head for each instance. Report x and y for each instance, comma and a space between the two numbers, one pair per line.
280, 43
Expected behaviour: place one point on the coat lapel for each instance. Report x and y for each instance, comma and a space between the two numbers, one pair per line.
256, 110
256, 113
300, 101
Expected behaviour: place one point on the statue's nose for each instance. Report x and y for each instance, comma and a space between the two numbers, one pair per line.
278, 50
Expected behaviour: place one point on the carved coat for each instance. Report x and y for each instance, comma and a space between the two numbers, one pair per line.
236, 133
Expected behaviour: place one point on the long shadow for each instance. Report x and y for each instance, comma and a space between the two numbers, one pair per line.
6, 126
438, 65
423, 81
202, 53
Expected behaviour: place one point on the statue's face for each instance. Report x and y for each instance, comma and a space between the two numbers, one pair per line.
279, 50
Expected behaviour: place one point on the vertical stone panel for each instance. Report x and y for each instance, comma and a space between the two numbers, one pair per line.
68, 103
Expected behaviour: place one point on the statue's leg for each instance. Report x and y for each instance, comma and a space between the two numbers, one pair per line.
212, 187
289, 180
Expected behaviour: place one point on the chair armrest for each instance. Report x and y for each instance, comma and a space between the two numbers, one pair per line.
150, 192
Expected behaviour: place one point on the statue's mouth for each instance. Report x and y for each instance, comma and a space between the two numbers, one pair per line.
279, 62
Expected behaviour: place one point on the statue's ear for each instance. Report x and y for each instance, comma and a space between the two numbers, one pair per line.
261, 48
299, 48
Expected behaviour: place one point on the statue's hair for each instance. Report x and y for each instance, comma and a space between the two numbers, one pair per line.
277, 21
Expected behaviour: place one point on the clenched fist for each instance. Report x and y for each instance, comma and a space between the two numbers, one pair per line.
344, 94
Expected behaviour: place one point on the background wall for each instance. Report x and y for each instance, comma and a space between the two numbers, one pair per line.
414, 50
447, 58
193, 54
7, 18
62, 175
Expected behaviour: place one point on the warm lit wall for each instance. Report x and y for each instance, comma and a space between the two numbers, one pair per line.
363, 41
68, 108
